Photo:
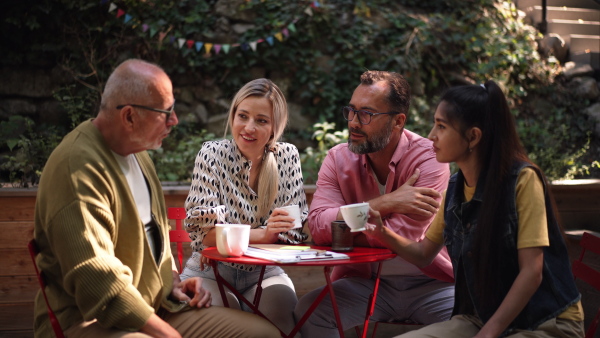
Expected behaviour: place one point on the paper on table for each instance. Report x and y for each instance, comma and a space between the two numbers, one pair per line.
290, 254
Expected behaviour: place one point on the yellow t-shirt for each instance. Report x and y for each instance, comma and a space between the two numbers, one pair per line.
533, 230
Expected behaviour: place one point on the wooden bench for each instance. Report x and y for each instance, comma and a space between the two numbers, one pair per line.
578, 203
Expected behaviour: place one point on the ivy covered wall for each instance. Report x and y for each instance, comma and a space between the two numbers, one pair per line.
56, 55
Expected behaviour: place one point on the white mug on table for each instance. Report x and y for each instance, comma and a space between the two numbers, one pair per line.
232, 239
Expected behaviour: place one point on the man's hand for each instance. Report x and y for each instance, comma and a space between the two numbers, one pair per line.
191, 291
408, 200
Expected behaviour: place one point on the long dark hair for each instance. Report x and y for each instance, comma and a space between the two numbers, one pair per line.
485, 107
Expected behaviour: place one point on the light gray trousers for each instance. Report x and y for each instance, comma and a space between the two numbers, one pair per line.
420, 298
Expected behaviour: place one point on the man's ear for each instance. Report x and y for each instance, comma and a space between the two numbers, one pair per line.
400, 120
127, 117
474, 137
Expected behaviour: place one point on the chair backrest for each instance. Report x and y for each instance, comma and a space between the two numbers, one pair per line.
33, 252
588, 274
178, 235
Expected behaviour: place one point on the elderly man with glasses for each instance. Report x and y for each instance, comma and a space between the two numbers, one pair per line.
396, 172
102, 229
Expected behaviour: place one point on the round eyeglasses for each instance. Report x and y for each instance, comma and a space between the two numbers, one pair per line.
364, 117
166, 112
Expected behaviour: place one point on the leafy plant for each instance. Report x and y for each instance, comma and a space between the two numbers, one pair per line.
175, 160
326, 137
30, 148
434, 43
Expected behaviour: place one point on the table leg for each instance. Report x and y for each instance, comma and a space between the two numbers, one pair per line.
221, 282
336, 311
316, 302
218, 278
372, 300
259, 288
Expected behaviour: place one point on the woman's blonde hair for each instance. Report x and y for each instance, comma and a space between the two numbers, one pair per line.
268, 180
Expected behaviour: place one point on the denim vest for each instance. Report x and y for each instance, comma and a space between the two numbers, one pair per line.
556, 292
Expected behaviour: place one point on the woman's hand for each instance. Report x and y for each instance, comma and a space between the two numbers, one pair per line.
204, 262
279, 221
374, 228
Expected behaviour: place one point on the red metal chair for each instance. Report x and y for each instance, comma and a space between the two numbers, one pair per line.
34, 251
588, 274
178, 235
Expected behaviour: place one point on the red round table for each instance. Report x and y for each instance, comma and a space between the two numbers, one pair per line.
359, 255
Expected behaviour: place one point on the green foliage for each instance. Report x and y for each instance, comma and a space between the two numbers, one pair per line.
29, 149
79, 103
434, 43
177, 163
326, 137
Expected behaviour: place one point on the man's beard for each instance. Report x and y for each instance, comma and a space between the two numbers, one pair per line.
372, 144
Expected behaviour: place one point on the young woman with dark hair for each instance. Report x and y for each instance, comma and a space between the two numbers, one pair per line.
499, 225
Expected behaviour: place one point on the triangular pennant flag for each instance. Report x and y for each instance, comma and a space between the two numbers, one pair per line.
279, 36
127, 18
153, 32
190, 44
292, 27
245, 46
120, 13
308, 11
217, 49
199, 46
145, 27
285, 32
112, 7
161, 36
270, 40
253, 46
226, 49
208, 47
180, 42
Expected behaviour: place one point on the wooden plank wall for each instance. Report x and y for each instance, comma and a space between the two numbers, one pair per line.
18, 284
579, 206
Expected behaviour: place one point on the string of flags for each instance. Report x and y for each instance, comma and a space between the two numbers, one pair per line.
164, 32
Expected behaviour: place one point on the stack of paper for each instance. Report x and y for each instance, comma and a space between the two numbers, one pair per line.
290, 253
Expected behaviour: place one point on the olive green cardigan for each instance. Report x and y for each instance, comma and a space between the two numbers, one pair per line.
94, 251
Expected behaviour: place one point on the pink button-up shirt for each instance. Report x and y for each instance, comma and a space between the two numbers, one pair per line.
346, 178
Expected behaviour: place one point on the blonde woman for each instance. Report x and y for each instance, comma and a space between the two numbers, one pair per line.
246, 180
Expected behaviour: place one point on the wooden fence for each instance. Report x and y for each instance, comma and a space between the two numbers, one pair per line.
578, 203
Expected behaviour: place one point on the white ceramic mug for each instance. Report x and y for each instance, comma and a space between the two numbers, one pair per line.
232, 239
355, 215
294, 211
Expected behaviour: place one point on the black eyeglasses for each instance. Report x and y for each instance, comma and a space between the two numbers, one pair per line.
166, 112
364, 117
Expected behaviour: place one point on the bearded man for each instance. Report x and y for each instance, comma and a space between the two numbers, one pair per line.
396, 172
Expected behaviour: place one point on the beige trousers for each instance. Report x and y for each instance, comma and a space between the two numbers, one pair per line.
461, 326
214, 321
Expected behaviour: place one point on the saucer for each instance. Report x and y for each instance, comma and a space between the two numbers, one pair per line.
359, 229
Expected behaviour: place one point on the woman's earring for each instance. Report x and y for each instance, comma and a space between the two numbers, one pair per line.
470, 149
